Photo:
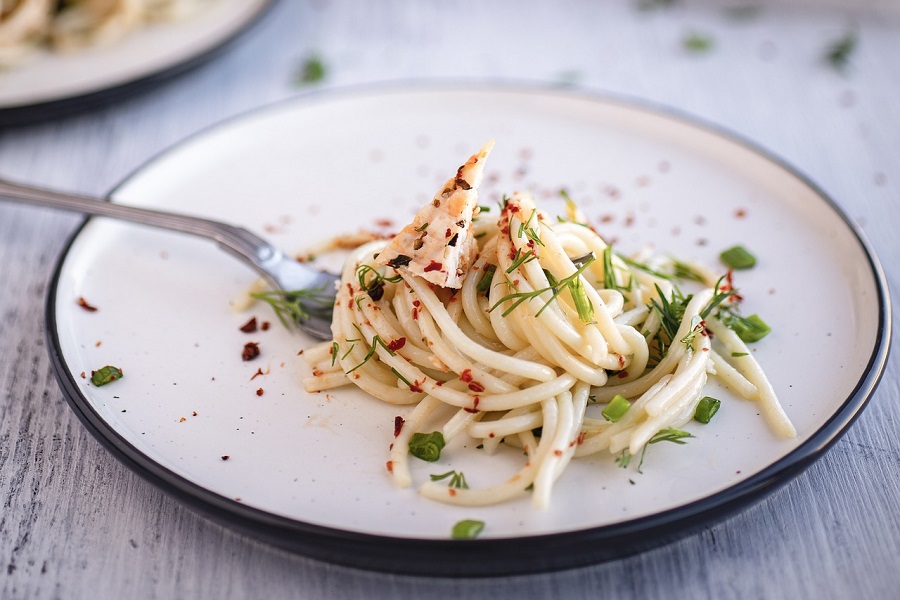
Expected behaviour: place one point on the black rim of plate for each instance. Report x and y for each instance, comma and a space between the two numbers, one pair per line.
488, 556
30, 114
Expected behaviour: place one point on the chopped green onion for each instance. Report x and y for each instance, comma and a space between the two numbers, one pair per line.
427, 446
467, 529
484, 209
838, 53
583, 304
616, 408
737, 257
485, 283
738, 354
334, 352
706, 408
749, 329
697, 43
609, 276
422, 227
107, 374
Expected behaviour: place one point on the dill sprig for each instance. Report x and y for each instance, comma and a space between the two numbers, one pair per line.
373, 347
520, 259
457, 479
568, 283
295, 306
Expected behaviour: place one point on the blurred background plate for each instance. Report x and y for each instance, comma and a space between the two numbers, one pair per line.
50, 85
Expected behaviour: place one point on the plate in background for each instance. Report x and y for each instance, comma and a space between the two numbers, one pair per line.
49, 85
307, 472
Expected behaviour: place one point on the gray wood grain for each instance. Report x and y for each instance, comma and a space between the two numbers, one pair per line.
76, 523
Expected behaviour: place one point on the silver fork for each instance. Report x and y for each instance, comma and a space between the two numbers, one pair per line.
315, 290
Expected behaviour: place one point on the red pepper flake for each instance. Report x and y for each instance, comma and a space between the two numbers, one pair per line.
416, 303
83, 375
433, 266
491, 434
740, 213
225, 457
85, 305
194, 414
416, 387
466, 375
257, 374
415, 314
451, 491
251, 351
474, 408
448, 233
398, 425
260, 392
182, 419
622, 374
265, 326
395, 345
390, 466
580, 439
249, 326
557, 452
476, 387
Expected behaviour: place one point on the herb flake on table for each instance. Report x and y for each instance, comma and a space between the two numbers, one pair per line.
839, 52
697, 43
312, 71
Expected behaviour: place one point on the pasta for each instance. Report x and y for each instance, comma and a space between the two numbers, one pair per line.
547, 325
66, 25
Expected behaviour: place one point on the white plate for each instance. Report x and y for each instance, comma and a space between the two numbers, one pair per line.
46, 80
308, 471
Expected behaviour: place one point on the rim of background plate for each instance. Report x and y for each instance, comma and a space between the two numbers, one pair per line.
488, 556
18, 115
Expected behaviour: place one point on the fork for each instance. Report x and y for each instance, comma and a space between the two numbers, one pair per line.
314, 290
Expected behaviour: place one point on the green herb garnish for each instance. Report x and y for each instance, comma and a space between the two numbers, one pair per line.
427, 446
520, 297
838, 53
737, 257
520, 259
669, 434
609, 276
616, 408
749, 329
105, 375
697, 43
738, 354
484, 284
467, 529
334, 352
312, 71
706, 408
583, 305
376, 341
294, 306
457, 479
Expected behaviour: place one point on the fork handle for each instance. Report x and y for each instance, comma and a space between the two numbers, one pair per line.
235, 240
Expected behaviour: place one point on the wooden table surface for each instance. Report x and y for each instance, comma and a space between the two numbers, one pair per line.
76, 523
